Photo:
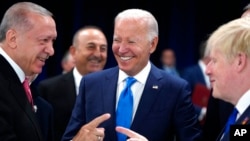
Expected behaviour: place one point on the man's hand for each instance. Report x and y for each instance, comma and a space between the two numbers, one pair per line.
90, 132
133, 136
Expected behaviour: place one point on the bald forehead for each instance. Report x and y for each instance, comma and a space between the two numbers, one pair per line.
90, 31
92, 35
246, 13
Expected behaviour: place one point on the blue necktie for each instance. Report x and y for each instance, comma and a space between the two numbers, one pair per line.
125, 108
231, 120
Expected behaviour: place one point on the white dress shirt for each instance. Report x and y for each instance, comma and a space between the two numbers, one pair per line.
137, 88
77, 78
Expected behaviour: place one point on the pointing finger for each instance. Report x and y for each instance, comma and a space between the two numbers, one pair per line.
98, 120
130, 133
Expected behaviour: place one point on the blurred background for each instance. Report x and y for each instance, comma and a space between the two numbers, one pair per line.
183, 24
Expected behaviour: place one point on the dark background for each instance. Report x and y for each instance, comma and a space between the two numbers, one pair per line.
183, 24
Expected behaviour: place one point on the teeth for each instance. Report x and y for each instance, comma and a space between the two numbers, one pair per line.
125, 58
42, 59
94, 61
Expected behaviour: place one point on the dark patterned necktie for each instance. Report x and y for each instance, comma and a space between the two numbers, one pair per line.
27, 91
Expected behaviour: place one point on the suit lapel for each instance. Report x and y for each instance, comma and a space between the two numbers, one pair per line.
69, 84
149, 95
110, 90
17, 90
243, 120
109, 94
19, 93
220, 135
245, 117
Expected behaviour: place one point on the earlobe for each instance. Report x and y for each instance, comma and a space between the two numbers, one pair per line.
153, 44
72, 50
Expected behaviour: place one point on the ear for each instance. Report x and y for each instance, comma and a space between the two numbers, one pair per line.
11, 38
241, 61
153, 44
72, 50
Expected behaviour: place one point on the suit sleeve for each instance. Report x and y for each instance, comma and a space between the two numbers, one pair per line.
77, 119
186, 120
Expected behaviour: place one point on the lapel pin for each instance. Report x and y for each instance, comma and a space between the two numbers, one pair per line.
155, 87
244, 122
35, 108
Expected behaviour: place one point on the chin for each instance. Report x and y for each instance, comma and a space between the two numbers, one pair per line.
38, 70
123, 68
95, 69
216, 94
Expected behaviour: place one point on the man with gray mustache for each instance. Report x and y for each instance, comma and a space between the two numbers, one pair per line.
89, 50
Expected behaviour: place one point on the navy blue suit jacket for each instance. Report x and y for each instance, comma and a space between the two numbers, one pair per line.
194, 76
243, 119
162, 112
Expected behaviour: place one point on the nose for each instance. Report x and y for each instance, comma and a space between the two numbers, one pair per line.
123, 48
208, 68
97, 52
50, 50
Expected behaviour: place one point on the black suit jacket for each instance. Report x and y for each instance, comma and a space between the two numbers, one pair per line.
60, 92
44, 114
18, 122
218, 112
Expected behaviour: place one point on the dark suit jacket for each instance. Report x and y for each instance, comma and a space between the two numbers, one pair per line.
243, 119
194, 76
162, 111
44, 114
218, 112
60, 92
18, 122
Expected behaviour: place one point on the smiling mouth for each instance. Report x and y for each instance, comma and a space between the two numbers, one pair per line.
126, 58
42, 59
95, 61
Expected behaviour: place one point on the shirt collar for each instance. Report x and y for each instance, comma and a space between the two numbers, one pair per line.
243, 102
77, 76
16, 68
140, 77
